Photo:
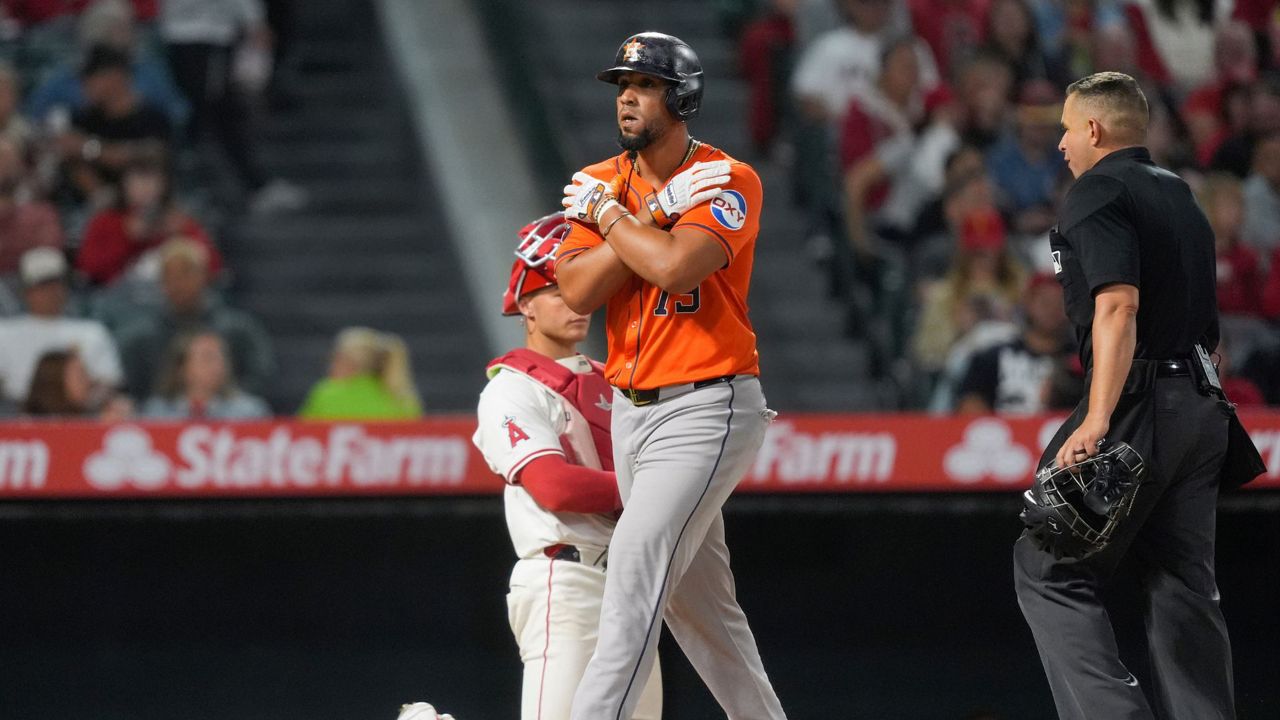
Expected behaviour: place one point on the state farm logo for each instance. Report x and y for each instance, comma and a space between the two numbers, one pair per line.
218, 458
826, 457
127, 457
988, 450
24, 464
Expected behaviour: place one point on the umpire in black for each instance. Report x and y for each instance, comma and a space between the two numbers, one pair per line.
1135, 257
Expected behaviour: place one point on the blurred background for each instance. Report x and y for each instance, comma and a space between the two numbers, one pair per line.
259, 210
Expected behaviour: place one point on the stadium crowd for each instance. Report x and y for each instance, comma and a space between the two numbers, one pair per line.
922, 137
118, 118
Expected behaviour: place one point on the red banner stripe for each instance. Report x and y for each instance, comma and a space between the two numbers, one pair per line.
802, 453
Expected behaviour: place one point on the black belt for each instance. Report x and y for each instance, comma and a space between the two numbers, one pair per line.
563, 552
1173, 368
648, 397
571, 553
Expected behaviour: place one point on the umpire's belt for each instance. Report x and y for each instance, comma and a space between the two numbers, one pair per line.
1173, 368
640, 398
1143, 372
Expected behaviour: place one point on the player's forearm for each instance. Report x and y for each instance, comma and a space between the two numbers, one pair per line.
1115, 336
558, 486
650, 252
587, 280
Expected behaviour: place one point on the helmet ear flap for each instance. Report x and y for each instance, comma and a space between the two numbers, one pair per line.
681, 102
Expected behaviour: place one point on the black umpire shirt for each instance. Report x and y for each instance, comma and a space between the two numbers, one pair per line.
1128, 221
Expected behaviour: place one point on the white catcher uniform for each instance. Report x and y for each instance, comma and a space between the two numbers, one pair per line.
555, 598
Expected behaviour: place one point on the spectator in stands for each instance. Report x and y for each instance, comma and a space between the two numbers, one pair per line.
984, 86
1262, 198
13, 127
1218, 108
108, 23
115, 126
960, 165
25, 222
119, 239
841, 61
1113, 47
1239, 276
1009, 377
878, 141
983, 285
1011, 34
195, 382
190, 305
968, 190
1175, 39
61, 387
202, 37
1025, 162
765, 59
1235, 154
369, 379
24, 339
952, 28
1069, 30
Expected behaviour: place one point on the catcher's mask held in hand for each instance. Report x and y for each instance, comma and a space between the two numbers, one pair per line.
1074, 511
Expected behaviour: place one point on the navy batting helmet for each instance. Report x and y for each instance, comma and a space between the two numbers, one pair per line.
663, 56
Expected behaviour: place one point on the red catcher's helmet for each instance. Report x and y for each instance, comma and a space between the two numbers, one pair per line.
535, 255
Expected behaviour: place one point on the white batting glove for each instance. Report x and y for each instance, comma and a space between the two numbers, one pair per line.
587, 198
689, 189
421, 711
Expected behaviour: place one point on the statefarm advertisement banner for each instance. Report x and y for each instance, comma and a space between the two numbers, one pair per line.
802, 453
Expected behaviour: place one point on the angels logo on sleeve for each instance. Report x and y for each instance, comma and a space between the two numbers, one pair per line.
515, 433
729, 208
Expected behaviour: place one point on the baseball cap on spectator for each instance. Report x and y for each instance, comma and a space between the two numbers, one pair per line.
982, 230
41, 265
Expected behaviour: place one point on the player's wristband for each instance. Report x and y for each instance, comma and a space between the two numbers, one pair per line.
604, 231
602, 207
660, 217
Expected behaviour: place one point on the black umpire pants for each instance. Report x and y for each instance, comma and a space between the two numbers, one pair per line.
1171, 531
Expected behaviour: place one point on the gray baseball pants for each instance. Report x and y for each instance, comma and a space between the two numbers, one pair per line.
677, 461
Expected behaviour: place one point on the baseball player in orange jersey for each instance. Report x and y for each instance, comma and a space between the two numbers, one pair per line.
543, 425
664, 234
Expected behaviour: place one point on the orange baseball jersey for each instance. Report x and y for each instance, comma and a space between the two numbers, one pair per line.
656, 339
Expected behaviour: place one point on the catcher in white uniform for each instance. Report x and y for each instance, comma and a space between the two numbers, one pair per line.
544, 427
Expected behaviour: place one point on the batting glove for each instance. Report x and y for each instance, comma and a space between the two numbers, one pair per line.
421, 711
587, 198
690, 188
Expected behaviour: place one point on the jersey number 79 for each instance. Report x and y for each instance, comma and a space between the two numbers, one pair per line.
682, 307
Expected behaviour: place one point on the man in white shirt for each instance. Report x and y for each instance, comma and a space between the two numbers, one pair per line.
44, 328
846, 58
